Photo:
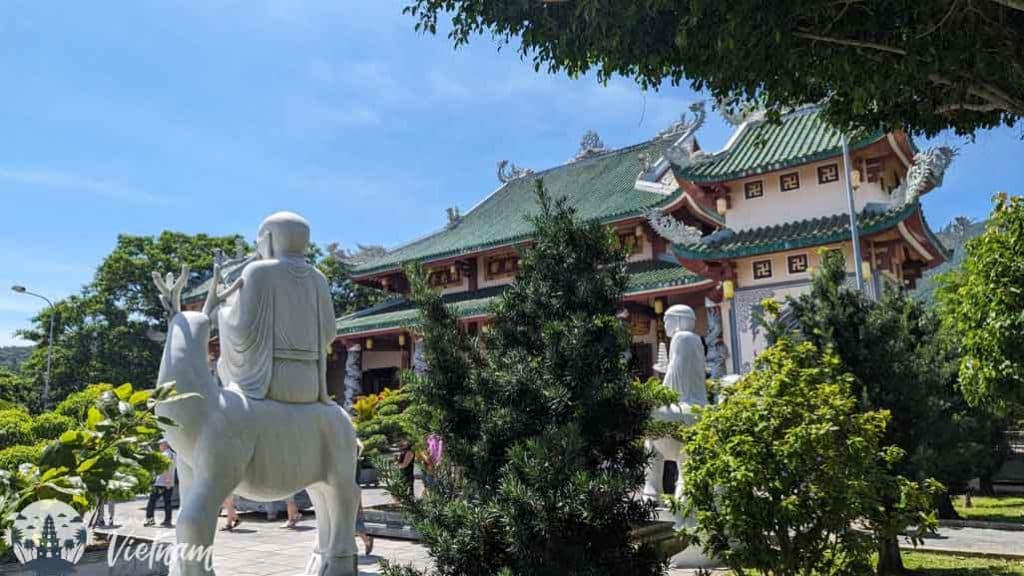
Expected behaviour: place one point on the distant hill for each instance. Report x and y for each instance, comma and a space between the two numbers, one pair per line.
953, 235
11, 357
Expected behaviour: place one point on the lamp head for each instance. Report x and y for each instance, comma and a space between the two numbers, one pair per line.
18, 289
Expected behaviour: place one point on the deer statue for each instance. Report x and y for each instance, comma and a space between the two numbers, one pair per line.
264, 449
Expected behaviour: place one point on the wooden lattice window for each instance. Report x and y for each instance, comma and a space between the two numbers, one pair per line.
501, 265
445, 277
639, 323
790, 181
828, 173
753, 189
630, 240
762, 269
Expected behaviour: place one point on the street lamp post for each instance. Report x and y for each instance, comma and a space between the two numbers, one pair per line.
49, 343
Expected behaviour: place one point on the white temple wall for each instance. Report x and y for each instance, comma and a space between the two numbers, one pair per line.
810, 200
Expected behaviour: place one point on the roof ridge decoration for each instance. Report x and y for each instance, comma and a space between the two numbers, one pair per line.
924, 174
737, 114
508, 171
671, 229
590, 144
685, 150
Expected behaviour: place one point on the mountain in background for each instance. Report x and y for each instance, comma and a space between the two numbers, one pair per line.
953, 236
11, 357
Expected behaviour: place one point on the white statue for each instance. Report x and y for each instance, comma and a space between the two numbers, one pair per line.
684, 373
239, 438
276, 332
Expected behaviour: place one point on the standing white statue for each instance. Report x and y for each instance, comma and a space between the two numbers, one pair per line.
684, 374
271, 430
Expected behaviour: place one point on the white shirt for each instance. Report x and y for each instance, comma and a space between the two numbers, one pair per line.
166, 479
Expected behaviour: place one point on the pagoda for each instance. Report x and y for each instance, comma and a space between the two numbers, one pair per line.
719, 232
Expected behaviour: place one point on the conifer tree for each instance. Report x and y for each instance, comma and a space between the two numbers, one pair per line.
542, 425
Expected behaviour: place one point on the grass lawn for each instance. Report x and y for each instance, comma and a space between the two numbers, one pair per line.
946, 565
996, 509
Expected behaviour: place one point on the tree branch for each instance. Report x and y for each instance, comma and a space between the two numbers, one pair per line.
1012, 4
854, 43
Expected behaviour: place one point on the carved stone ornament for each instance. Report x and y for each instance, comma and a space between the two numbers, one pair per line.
590, 144
671, 229
508, 171
925, 173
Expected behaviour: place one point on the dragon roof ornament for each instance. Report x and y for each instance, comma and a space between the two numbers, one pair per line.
737, 114
508, 171
671, 229
925, 173
685, 149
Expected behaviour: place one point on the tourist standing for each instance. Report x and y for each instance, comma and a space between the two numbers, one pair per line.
163, 487
435, 448
405, 461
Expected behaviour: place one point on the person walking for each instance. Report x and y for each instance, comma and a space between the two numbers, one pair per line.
229, 510
293, 513
163, 487
109, 505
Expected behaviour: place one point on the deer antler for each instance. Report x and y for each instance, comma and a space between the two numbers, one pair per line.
214, 296
170, 289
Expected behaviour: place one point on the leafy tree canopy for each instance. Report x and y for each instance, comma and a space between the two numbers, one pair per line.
110, 331
923, 66
983, 304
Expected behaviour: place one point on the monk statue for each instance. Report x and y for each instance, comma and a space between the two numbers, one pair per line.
271, 430
276, 330
685, 371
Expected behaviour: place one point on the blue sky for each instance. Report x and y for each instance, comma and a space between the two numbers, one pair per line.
206, 116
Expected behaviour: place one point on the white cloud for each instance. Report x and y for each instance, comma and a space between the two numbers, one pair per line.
58, 180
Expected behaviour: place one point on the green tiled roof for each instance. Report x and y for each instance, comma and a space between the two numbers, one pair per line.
792, 235
656, 274
643, 276
400, 312
799, 137
600, 187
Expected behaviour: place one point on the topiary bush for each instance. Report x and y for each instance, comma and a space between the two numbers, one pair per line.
50, 426
15, 428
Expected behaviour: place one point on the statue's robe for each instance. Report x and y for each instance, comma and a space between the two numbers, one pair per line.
275, 332
685, 372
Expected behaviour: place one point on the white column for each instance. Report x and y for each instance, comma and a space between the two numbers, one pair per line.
353, 374
419, 363
718, 352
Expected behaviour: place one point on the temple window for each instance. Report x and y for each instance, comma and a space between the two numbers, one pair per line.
790, 181
828, 173
501, 265
762, 269
630, 240
797, 263
445, 277
753, 189
874, 168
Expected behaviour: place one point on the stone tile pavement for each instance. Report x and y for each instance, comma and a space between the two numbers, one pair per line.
259, 547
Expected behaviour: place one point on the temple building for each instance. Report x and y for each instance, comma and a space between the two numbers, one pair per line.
716, 231
719, 232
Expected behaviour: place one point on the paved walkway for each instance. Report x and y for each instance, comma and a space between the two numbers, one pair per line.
262, 548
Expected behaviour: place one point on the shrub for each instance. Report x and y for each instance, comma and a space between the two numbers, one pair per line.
779, 473
15, 428
76, 405
50, 426
539, 418
14, 456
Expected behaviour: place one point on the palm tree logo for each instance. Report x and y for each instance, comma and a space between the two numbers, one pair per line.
48, 537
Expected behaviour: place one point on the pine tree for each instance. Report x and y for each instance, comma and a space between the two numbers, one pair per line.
542, 425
